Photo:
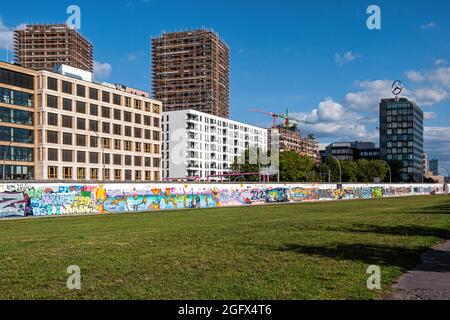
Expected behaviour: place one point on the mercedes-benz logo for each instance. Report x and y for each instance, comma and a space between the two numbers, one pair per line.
397, 87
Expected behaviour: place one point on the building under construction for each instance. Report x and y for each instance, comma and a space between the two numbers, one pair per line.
292, 140
42, 46
191, 71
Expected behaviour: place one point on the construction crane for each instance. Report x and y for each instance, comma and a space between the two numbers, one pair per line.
286, 117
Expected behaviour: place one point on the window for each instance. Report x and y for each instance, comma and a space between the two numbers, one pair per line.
81, 90
67, 155
81, 124
148, 162
67, 121
147, 120
117, 159
52, 84
81, 173
52, 136
17, 79
81, 156
117, 99
67, 87
93, 110
147, 148
128, 174
156, 136
127, 116
127, 146
106, 143
148, 134
117, 174
106, 127
93, 157
117, 129
107, 158
67, 104
67, 138
16, 97
52, 154
52, 119
137, 118
137, 104
52, 102
137, 146
94, 174
117, 114
93, 142
127, 131
107, 174
117, 144
93, 94
148, 107
93, 125
148, 176
156, 162
137, 161
106, 112
127, 102
52, 173
138, 133
106, 96
81, 107
67, 173
138, 175
128, 160
156, 122
156, 149
81, 140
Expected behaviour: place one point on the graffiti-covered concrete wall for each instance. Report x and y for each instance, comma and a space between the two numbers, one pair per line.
83, 198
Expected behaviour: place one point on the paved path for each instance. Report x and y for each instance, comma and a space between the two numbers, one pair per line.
430, 280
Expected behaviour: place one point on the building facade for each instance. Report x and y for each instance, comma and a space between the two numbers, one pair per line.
401, 137
190, 70
292, 140
43, 46
204, 146
17, 122
352, 151
434, 166
59, 127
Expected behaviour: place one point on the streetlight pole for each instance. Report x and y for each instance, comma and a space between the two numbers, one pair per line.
103, 155
390, 172
448, 174
340, 169
5, 153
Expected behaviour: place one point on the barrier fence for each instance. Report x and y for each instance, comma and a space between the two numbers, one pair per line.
35, 199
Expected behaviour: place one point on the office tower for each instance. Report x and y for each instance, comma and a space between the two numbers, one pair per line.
17, 122
434, 166
204, 146
191, 71
352, 151
401, 137
43, 46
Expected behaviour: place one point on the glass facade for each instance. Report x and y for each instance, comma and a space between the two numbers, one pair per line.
16, 135
16, 116
401, 137
17, 79
15, 172
13, 153
16, 98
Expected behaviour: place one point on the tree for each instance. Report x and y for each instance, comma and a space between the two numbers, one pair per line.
295, 168
369, 170
246, 167
349, 171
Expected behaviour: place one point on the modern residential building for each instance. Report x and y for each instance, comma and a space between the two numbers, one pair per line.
60, 127
203, 146
352, 151
17, 122
292, 140
401, 137
43, 46
191, 70
434, 166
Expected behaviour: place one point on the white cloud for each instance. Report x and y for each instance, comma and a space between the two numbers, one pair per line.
345, 58
429, 115
369, 97
6, 36
415, 76
102, 70
428, 97
440, 62
428, 26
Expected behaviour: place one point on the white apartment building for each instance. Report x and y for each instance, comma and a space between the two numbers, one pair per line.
197, 144
91, 131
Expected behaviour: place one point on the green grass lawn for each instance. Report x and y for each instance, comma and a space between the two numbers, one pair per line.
294, 251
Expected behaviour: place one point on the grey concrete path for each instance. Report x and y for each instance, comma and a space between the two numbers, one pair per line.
430, 280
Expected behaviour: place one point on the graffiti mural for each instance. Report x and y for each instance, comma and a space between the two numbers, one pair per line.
74, 199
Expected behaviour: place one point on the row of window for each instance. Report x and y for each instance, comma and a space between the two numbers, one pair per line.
16, 135
17, 98
105, 112
100, 95
81, 174
16, 116
17, 79
15, 172
96, 158
13, 153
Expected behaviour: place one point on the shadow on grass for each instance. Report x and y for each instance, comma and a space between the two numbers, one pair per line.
443, 208
382, 255
411, 230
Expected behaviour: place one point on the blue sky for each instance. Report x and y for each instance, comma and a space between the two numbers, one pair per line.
316, 58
